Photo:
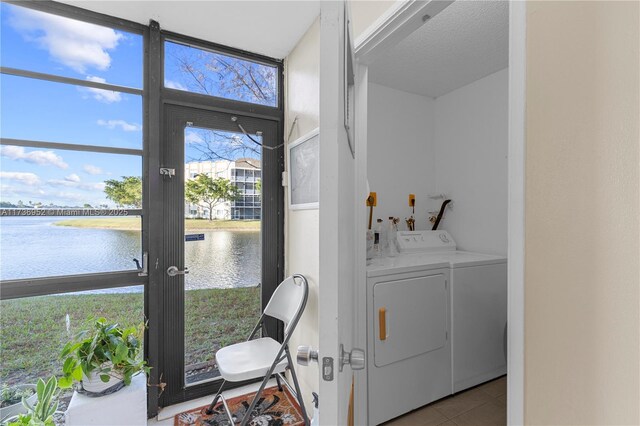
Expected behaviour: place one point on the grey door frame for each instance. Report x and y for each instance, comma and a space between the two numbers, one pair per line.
171, 289
158, 99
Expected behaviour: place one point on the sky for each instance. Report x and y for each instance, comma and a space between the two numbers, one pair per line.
54, 112
39, 110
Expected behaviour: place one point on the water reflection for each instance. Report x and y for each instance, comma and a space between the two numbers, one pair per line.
34, 247
225, 259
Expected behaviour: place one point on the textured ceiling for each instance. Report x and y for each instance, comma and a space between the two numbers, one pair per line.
271, 28
463, 43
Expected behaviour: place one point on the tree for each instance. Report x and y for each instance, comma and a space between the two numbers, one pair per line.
125, 192
205, 189
224, 76
220, 145
221, 75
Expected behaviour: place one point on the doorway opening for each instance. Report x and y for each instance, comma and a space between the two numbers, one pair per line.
216, 236
449, 123
221, 215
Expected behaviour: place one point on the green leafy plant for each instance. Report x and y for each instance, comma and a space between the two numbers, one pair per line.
13, 395
42, 413
107, 350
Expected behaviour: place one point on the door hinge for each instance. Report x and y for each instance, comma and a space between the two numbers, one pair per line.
446, 333
285, 179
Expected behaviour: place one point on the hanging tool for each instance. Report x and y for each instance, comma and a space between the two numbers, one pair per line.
372, 201
439, 218
412, 203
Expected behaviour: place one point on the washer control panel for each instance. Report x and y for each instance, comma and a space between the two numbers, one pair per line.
425, 241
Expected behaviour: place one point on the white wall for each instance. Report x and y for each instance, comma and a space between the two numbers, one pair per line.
302, 70
582, 201
471, 162
400, 152
455, 144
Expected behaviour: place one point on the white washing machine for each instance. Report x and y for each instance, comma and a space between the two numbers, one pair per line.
436, 321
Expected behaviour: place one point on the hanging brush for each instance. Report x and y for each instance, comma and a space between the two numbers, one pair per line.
372, 201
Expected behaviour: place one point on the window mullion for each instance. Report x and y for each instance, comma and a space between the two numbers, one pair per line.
70, 80
14, 289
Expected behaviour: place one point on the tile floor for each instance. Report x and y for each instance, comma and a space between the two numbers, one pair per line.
483, 405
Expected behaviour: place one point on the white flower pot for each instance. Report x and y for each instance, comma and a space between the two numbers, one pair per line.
18, 408
94, 384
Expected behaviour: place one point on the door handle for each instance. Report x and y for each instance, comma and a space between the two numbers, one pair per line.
382, 323
144, 270
355, 358
306, 354
173, 271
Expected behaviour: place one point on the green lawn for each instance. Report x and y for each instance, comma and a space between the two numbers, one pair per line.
133, 224
33, 330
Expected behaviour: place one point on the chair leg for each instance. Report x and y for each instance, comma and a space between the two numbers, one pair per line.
247, 415
215, 399
294, 376
279, 382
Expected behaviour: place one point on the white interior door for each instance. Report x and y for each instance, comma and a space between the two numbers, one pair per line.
339, 253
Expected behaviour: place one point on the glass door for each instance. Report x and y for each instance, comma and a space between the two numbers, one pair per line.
222, 234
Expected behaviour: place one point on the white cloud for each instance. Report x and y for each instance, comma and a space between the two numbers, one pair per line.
72, 197
30, 179
92, 170
20, 191
193, 137
125, 126
78, 45
170, 84
72, 178
35, 157
98, 186
101, 95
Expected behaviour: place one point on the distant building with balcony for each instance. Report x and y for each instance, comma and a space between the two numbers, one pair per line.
244, 173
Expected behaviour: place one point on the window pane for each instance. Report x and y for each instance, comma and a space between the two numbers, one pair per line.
54, 112
210, 73
33, 330
39, 183
43, 42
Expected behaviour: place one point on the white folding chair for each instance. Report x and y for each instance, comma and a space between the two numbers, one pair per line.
265, 357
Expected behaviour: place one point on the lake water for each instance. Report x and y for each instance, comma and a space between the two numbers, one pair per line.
32, 247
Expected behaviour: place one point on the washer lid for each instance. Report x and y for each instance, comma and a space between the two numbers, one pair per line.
425, 241
463, 259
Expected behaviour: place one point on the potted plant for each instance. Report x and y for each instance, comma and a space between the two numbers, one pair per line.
11, 399
40, 414
104, 358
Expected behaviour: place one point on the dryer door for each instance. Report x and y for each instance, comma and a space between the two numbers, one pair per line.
411, 317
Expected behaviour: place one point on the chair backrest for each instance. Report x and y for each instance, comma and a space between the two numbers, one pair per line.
288, 301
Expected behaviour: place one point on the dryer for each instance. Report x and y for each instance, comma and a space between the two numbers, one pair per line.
409, 342
436, 319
